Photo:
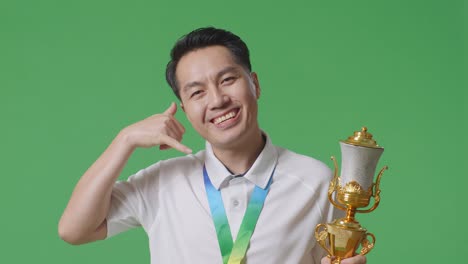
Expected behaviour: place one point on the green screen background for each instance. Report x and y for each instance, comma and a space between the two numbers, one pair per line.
73, 73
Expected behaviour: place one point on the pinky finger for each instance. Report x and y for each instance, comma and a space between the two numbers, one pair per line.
171, 142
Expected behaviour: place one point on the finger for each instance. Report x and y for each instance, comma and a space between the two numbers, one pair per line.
173, 132
164, 147
358, 259
177, 125
171, 142
325, 260
172, 129
171, 110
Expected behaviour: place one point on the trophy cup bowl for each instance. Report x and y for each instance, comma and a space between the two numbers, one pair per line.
353, 189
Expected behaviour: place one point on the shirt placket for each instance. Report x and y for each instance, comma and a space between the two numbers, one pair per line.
235, 198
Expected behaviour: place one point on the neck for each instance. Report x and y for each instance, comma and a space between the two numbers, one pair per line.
240, 159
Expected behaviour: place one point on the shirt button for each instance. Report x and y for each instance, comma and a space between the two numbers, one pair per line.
235, 202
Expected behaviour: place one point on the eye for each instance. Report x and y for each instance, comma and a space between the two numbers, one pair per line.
228, 80
195, 93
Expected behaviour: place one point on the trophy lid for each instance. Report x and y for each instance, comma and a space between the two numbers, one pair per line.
362, 138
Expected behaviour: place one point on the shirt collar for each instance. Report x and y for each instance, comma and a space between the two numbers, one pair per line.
259, 174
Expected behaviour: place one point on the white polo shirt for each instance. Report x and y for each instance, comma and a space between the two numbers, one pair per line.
168, 199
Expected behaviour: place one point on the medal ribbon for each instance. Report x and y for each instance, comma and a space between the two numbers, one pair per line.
234, 253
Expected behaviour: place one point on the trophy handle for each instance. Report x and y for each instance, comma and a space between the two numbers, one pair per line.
376, 193
366, 245
322, 236
333, 186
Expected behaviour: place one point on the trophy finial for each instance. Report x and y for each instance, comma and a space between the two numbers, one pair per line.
362, 138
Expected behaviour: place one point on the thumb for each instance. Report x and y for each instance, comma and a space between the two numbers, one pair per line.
171, 110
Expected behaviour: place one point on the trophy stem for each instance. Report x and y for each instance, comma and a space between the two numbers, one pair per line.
350, 212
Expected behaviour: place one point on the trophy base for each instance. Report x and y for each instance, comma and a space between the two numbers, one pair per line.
342, 238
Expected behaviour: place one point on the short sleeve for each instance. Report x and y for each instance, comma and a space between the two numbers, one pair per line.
134, 202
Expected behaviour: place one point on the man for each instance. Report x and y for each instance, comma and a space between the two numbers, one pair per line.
241, 199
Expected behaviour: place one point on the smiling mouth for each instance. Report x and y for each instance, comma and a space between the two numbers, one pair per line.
229, 115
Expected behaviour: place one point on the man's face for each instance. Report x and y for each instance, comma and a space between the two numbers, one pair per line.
218, 96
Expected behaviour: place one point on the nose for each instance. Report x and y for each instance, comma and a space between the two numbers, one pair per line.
217, 99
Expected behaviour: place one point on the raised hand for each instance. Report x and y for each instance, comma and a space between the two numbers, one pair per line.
162, 130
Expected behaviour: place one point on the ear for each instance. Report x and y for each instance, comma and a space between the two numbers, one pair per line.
182, 106
256, 84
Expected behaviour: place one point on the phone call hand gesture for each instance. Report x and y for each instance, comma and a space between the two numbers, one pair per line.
162, 130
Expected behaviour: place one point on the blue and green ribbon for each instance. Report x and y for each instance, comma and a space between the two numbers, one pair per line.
234, 253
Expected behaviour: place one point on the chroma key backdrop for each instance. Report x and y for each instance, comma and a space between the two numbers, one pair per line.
74, 73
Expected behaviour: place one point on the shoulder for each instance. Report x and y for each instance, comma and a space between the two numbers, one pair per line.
299, 162
308, 170
165, 171
177, 165
181, 165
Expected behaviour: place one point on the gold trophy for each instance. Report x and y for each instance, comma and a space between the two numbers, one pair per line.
354, 189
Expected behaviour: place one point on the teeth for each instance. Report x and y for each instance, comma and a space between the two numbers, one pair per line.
224, 117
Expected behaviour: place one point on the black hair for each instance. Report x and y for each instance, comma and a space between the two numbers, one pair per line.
202, 38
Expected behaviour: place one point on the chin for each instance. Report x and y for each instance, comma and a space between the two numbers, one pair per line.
229, 140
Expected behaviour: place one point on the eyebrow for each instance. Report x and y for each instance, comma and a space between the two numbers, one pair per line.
190, 85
